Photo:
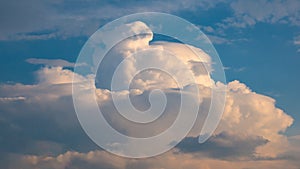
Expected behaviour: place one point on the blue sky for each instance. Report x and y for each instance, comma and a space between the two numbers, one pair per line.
258, 41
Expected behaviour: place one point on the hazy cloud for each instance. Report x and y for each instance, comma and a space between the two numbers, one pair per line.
50, 62
35, 19
248, 13
297, 42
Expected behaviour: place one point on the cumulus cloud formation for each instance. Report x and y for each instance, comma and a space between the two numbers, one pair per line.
252, 122
245, 108
137, 68
250, 134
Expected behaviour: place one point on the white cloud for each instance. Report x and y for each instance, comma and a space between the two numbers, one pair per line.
219, 40
8, 99
248, 113
57, 75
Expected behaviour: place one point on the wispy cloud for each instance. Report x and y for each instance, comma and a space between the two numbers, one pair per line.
49, 62
59, 19
63, 19
297, 42
52, 62
241, 69
9, 99
248, 13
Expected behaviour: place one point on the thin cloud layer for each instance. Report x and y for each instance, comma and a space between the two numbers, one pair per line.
248, 13
38, 20
50, 62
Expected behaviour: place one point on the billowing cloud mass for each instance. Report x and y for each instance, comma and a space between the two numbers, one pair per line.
41, 117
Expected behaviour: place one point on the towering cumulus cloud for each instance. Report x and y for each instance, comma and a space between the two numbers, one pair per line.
42, 118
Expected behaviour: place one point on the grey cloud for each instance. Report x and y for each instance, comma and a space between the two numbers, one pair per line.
223, 146
41, 126
24, 16
78, 163
247, 14
35, 19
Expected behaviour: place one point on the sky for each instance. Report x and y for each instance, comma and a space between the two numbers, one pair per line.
258, 43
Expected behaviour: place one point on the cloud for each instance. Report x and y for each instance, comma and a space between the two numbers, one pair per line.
173, 57
217, 35
49, 101
249, 117
244, 109
224, 146
48, 19
59, 19
248, 13
50, 62
251, 129
177, 67
35, 116
297, 42
218, 40
250, 121
172, 159
293, 149
8, 99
